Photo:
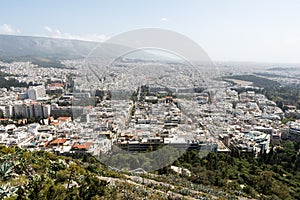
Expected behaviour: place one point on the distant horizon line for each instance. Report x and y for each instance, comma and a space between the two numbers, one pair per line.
213, 60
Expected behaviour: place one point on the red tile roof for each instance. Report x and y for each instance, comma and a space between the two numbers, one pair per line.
46, 144
59, 141
82, 146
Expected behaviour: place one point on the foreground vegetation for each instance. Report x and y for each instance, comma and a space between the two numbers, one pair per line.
270, 176
43, 175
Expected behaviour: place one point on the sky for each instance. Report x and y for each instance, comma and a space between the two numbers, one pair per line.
228, 30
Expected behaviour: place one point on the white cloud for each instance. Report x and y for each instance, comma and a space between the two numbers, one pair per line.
9, 29
55, 33
163, 19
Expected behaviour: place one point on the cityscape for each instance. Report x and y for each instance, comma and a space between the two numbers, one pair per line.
147, 114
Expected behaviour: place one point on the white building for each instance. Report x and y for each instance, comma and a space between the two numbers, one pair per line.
47, 110
36, 92
6, 111
29, 110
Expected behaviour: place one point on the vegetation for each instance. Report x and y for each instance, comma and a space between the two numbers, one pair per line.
281, 94
257, 81
7, 81
47, 63
43, 175
285, 95
270, 176
150, 160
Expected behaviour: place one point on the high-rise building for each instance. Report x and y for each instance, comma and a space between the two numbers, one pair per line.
36, 92
31, 110
46, 111
8, 111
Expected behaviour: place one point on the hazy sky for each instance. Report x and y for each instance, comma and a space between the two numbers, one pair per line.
229, 30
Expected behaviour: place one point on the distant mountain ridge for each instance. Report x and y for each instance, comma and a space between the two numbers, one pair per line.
30, 48
47, 52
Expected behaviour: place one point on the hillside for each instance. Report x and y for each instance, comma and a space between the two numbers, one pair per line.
42, 175
49, 51
41, 49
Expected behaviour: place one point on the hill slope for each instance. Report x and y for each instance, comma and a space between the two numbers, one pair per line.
28, 48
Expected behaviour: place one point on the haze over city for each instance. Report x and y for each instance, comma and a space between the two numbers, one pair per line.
168, 100
256, 31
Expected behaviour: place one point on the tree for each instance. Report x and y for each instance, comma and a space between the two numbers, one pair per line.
91, 186
6, 170
265, 182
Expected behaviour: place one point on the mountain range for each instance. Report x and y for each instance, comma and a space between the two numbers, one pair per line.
46, 52
42, 49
